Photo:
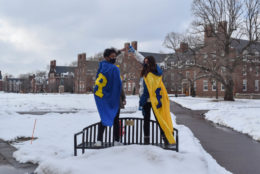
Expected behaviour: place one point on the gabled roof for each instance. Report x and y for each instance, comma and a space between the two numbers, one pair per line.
64, 69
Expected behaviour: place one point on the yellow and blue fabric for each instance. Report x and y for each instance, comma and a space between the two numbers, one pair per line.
107, 91
156, 91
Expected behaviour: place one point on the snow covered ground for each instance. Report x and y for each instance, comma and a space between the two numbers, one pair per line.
243, 115
53, 148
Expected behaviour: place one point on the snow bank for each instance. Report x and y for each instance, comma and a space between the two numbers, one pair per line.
53, 148
243, 115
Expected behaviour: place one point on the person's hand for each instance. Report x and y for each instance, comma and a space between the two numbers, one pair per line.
124, 102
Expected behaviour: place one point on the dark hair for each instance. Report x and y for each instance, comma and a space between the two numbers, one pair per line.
109, 51
151, 66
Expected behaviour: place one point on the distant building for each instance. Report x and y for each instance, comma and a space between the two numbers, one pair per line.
14, 85
60, 77
85, 74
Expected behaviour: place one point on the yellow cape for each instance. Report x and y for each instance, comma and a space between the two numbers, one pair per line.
160, 104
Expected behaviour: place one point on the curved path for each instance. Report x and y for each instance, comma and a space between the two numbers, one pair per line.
237, 152
8, 165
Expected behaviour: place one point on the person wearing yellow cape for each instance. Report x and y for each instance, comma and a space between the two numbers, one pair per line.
153, 95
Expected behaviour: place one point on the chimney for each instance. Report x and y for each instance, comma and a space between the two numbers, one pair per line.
134, 44
53, 64
184, 47
127, 45
81, 59
0, 75
209, 31
222, 27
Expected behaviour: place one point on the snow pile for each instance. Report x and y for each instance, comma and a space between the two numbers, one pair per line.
243, 115
53, 148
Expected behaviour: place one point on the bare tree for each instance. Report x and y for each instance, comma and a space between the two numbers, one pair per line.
225, 24
183, 47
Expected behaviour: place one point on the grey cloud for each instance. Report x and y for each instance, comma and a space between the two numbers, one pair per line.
65, 28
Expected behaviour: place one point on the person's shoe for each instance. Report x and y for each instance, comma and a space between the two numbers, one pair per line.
170, 146
98, 144
117, 143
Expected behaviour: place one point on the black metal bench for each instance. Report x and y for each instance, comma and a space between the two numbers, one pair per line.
131, 132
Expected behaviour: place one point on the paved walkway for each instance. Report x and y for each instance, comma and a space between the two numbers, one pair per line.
8, 165
237, 152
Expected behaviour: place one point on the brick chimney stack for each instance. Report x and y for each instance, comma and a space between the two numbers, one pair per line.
53, 64
0, 75
81, 59
127, 45
184, 47
222, 27
209, 31
134, 44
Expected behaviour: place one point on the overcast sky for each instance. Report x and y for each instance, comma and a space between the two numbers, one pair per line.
33, 32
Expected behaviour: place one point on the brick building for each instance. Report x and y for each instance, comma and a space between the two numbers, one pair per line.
85, 74
14, 85
180, 77
246, 74
60, 78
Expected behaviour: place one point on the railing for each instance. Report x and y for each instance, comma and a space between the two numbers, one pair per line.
131, 132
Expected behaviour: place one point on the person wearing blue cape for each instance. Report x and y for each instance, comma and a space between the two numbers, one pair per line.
107, 92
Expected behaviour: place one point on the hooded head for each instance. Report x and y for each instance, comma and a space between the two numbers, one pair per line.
149, 65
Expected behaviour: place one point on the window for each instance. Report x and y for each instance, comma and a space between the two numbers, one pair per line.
214, 85
133, 86
245, 54
205, 58
256, 85
257, 71
244, 70
129, 86
124, 86
223, 69
194, 75
222, 53
205, 85
172, 76
244, 85
195, 86
222, 87
172, 64
187, 74
124, 66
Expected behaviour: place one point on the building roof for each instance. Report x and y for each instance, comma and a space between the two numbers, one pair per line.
239, 44
159, 57
15, 79
64, 69
92, 65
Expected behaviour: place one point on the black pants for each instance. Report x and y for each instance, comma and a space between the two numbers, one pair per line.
147, 116
101, 129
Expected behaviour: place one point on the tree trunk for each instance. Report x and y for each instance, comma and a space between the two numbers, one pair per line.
229, 91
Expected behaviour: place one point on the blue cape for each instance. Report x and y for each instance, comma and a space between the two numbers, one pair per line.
108, 104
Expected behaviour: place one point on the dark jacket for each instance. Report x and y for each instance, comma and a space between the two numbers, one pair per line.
122, 98
144, 94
